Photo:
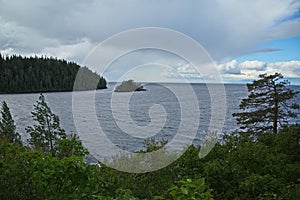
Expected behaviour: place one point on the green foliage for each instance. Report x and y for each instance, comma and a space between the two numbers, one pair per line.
222, 176
7, 126
191, 190
29, 174
14, 182
239, 168
71, 146
20, 74
129, 86
267, 104
125, 194
142, 162
262, 169
256, 186
45, 134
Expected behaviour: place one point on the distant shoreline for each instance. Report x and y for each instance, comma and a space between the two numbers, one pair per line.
191, 83
113, 83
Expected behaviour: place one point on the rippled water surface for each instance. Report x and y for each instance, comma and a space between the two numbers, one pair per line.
166, 113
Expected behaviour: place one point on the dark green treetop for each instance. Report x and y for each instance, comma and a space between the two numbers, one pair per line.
267, 105
48, 130
7, 126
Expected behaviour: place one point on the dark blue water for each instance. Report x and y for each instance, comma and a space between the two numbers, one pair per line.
168, 113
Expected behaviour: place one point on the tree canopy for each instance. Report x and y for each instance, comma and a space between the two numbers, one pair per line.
7, 126
41, 74
48, 130
268, 104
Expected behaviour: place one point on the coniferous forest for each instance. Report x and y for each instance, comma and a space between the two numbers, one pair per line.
42, 74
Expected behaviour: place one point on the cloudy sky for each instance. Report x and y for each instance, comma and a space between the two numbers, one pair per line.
243, 38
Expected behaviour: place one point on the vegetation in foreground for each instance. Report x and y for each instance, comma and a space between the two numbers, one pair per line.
266, 166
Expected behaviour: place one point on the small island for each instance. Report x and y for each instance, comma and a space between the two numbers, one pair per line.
129, 86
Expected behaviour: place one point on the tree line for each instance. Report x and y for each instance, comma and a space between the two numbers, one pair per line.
42, 74
251, 163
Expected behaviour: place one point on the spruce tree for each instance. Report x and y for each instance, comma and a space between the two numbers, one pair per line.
7, 126
268, 104
45, 134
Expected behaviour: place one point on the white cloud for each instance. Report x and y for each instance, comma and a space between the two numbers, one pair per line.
233, 71
289, 69
250, 70
231, 67
253, 65
186, 69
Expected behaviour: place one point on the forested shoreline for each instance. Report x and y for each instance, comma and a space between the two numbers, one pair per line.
42, 74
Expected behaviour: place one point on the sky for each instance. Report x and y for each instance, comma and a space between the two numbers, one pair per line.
243, 38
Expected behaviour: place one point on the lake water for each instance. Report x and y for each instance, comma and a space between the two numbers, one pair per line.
21, 106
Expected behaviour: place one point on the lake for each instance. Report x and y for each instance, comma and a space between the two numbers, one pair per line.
168, 115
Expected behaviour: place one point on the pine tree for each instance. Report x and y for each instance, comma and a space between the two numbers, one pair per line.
45, 134
268, 104
7, 126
